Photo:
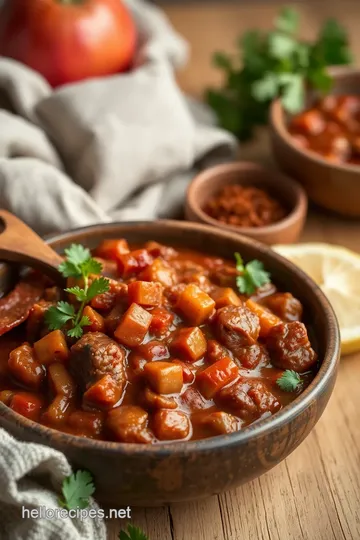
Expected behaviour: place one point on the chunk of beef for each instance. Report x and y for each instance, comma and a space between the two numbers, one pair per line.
250, 357
290, 348
249, 399
96, 355
285, 306
236, 327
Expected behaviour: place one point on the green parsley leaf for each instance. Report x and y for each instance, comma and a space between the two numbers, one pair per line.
68, 269
333, 44
252, 275
57, 316
222, 61
76, 490
293, 94
287, 21
281, 45
91, 266
289, 381
266, 88
80, 294
133, 533
77, 254
98, 286
75, 332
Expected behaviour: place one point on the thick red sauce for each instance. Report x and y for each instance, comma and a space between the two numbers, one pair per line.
173, 352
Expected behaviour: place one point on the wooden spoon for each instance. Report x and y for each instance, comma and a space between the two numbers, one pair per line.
20, 244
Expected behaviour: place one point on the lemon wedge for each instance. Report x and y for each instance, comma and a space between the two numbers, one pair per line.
337, 272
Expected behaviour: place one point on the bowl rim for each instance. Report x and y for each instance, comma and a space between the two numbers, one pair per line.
297, 212
278, 125
323, 377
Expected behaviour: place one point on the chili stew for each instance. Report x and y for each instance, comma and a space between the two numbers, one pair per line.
171, 351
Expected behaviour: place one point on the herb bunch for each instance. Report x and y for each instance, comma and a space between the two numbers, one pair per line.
77, 264
289, 381
274, 64
252, 275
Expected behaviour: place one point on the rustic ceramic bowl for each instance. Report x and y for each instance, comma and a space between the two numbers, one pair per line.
147, 475
209, 182
331, 185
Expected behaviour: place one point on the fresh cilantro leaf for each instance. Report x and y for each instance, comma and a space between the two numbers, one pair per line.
57, 316
321, 80
69, 269
80, 294
76, 490
293, 94
252, 275
333, 44
222, 61
77, 254
287, 21
133, 533
84, 321
281, 45
266, 88
98, 286
91, 266
289, 381
75, 332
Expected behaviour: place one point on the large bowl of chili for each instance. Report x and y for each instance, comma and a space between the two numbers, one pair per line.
164, 470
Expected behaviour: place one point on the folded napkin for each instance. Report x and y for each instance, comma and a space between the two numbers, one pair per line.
116, 148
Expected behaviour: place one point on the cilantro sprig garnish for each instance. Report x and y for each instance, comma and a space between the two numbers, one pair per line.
76, 490
252, 275
289, 381
275, 64
132, 533
77, 264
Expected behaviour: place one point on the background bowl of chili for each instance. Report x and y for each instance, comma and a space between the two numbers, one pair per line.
333, 185
155, 474
246, 198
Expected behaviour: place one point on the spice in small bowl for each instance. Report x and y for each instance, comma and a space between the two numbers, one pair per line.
249, 199
245, 206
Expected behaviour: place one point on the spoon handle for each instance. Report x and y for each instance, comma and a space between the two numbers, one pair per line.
20, 244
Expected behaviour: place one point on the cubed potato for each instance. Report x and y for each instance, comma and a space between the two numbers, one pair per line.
134, 262
145, 293
104, 394
213, 378
267, 319
58, 410
52, 348
97, 321
112, 249
60, 380
89, 424
164, 377
225, 296
189, 344
128, 423
133, 326
219, 423
171, 425
161, 321
195, 304
25, 368
28, 405
159, 270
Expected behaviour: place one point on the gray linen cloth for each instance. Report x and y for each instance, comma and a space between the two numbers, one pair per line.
122, 147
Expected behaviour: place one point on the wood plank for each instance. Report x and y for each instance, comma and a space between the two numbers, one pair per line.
200, 520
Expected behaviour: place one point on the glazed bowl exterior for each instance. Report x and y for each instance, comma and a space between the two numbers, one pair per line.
148, 475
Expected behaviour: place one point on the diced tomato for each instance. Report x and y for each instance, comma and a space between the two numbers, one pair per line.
161, 321
134, 262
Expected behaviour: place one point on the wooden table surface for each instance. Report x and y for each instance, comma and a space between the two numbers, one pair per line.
315, 493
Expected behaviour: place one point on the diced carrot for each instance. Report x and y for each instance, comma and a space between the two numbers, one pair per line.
128, 423
213, 378
189, 343
107, 300
225, 296
153, 350
133, 326
164, 377
188, 374
159, 270
52, 348
171, 425
311, 122
24, 366
60, 380
161, 321
6, 396
104, 394
97, 322
58, 410
112, 249
88, 423
267, 319
26, 404
195, 304
145, 293
134, 262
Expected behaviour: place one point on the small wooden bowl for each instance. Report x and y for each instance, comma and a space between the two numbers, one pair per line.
286, 190
331, 185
